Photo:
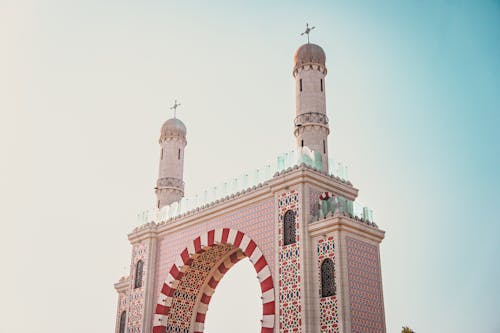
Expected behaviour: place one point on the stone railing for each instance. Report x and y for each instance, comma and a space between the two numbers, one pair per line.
311, 117
339, 205
233, 187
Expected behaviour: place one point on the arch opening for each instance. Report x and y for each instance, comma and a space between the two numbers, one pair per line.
236, 305
186, 294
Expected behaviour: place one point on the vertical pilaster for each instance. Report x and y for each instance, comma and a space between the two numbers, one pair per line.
307, 272
150, 284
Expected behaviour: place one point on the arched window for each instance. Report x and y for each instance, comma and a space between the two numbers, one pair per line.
289, 227
138, 274
327, 278
123, 322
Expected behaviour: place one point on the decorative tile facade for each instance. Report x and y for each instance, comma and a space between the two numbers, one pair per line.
136, 295
290, 311
122, 305
328, 307
191, 260
365, 287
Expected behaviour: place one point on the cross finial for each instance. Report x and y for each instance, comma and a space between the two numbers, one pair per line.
307, 32
174, 107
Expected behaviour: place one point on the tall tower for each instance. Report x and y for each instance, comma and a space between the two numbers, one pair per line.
311, 123
170, 186
315, 251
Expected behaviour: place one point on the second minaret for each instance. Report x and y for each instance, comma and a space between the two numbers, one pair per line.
311, 122
170, 186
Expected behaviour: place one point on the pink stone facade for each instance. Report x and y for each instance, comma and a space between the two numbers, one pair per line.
256, 221
365, 287
185, 258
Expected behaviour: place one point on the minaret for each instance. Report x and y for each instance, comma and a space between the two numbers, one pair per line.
311, 122
170, 186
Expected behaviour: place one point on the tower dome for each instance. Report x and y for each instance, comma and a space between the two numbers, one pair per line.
309, 54
172, 128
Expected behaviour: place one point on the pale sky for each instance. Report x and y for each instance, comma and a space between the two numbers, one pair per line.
413, 101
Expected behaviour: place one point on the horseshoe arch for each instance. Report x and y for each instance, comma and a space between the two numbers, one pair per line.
192, 279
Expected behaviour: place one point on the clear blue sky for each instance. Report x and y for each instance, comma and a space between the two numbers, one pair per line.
412, 93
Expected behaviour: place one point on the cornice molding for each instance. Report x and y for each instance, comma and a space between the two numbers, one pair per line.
344, 223
122, 285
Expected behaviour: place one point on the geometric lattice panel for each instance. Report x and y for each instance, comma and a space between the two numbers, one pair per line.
365, 287
179, 319
136, 296
289, 266
329, 315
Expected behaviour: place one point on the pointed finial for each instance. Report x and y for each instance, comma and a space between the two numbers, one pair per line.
174, 107
307, 32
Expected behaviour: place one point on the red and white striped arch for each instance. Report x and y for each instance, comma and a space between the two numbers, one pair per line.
212, 238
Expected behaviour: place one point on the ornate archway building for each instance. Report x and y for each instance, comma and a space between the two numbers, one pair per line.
300, 228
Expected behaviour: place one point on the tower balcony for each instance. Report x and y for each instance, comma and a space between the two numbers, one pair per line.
311, 117
169, 182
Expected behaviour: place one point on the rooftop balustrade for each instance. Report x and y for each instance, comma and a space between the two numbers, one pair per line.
339, 204
242, 183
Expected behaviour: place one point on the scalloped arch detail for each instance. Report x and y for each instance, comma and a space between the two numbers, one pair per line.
243, 246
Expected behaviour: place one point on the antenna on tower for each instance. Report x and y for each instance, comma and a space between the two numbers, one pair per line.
307, 32
174, 107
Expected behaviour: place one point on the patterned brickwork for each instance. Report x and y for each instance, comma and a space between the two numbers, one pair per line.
329, 315
256, 221
289, 267
365, 287
122, 304
136, 295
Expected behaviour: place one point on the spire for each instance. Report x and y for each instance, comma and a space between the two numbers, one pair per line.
307, 32
174, 107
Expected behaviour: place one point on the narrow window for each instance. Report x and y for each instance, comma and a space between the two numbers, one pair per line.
321, 83
162, 153
302, 143
179, 154
138, 274
327, 278
300, 84
324, 147
158, 205
123, 322
289, 227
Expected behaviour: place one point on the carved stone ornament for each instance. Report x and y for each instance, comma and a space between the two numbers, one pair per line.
311, 117
170, 182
